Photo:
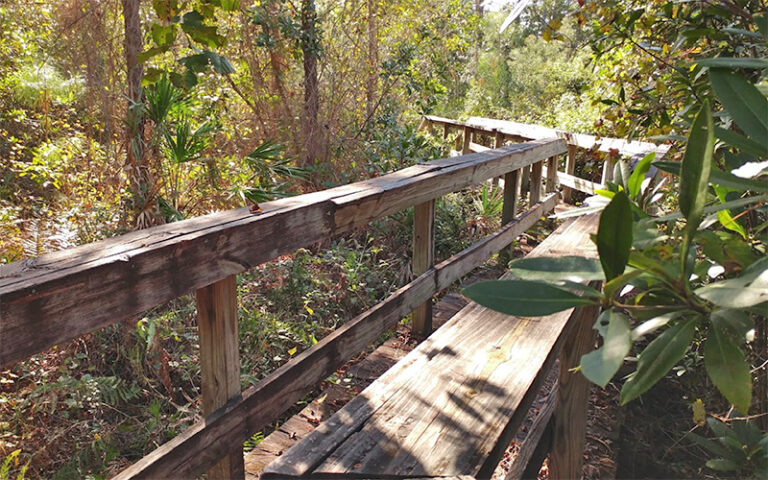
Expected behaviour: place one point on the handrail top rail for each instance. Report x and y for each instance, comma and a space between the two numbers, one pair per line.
581, 140
59, 296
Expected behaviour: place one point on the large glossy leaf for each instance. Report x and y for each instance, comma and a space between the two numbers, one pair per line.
736, 322
524, 298
733, 62
573, 268
743, 101
719, 177
658, 358
744, 144
696, 166
726, 366
638, 175
749, 289
614, 236
601, 365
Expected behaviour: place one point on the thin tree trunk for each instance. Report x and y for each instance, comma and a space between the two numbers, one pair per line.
140, 185
373, 60
309, 49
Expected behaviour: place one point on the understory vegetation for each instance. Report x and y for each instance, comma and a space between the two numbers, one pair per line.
123, 115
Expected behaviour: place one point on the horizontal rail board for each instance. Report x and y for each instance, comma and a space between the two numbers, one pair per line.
60, 296
581, 140
203, 444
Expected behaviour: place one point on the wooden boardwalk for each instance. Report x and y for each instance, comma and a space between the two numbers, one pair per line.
449, 407
455, 391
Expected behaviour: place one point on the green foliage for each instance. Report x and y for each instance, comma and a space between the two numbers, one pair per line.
41, 85
740, 447
12, 460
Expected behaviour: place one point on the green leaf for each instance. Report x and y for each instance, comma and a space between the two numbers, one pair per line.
163, 34
746, 105
727, 221
736, 322
524, 298
723, 465
636, 179
762, 24
658, 358
654, 324
744, 144
696, 166
601, 365
614, 236
733, 62
751, 288
726, 366
147, 54
230, 5
573, 268
719, 177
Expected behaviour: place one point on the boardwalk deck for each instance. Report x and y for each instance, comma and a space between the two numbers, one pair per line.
448, 408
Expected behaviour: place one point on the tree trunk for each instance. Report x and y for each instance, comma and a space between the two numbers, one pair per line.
309, 48
142, 201
373, 61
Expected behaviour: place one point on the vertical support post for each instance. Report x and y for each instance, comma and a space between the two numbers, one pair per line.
535, 186
445, 131
423, 260
498, 142
570, 168
525, 180
607, 170
509, 208
467, 138
570, 417
551, 174
220, 360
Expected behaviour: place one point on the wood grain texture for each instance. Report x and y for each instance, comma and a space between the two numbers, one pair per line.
56, 297
220, 360
570, 419
570, 168
423, 259
442, 410
529, 446
551, 174
200, 446
535, 182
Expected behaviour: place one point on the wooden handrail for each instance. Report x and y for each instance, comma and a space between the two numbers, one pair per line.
63, 295
526, 132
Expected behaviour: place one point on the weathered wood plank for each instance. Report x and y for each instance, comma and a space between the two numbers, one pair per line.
220, 360
570, 419
450, 174
439, 412
570, 168
200, 446
60, 296
529, 446
423, 259
465, 149
551, 174
578, 183
535, 185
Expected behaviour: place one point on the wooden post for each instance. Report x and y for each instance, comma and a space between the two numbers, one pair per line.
525, 180
498, 142
509, 208
445, 131
467, 138
220, 360
607, 170
570, 417
423, 260
535, 186
552, 174
570, 169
